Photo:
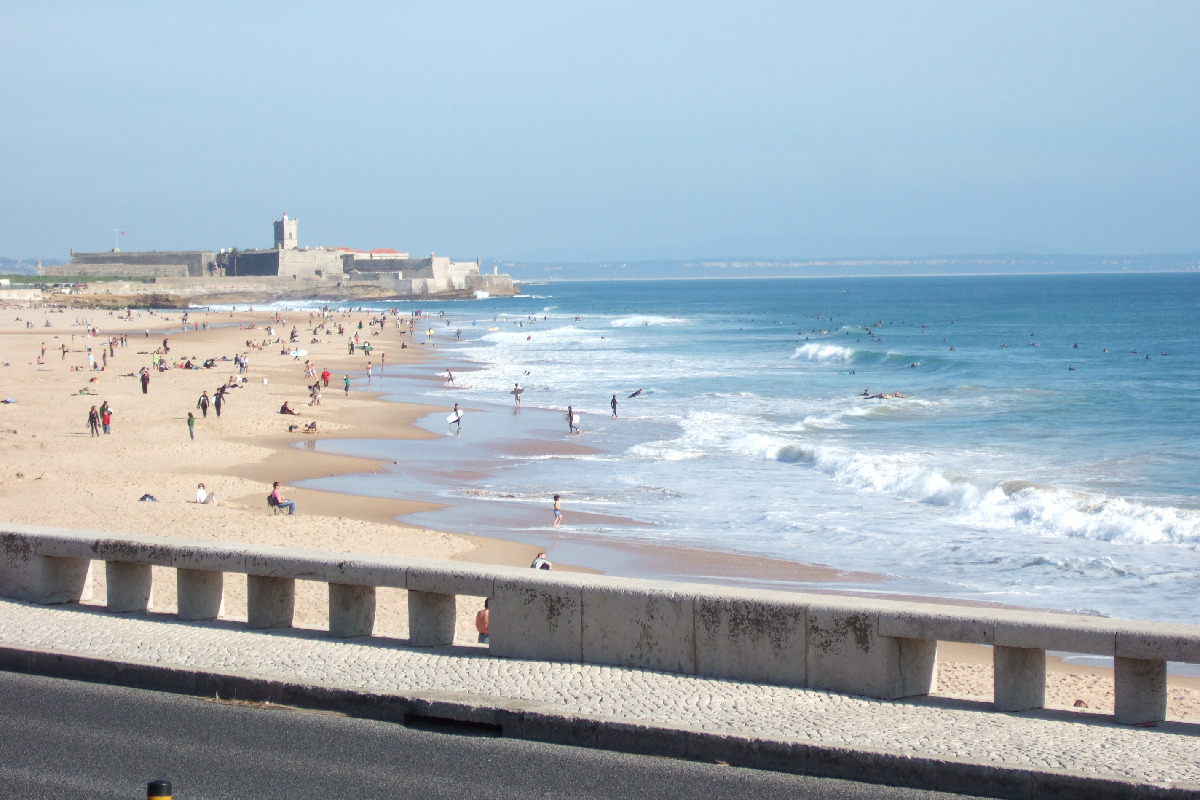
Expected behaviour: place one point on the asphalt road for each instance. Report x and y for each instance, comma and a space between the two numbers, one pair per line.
68, 739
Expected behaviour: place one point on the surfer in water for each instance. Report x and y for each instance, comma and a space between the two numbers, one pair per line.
635, 394
613, 403
449, 378
571, 421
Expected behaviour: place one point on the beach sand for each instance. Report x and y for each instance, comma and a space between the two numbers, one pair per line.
54, 473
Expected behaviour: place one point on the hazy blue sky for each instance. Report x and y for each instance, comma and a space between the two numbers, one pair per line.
606, 130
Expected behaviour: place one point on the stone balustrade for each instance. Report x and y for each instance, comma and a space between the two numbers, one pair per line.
855, 645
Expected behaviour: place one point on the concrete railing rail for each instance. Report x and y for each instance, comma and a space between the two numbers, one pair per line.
855, 645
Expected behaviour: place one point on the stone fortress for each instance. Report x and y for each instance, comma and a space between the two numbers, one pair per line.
284, 271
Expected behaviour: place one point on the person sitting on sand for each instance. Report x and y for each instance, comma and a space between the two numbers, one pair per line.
311, 427
285, 408
540, 562
203, 497
281, 501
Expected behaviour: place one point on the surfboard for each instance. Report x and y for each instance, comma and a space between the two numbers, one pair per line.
453, 418
493, 329
299, 352
516, 391
575, 418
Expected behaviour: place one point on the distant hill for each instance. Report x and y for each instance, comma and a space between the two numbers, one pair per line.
1006, 263
24, 266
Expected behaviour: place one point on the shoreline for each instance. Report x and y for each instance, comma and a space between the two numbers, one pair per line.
59, 475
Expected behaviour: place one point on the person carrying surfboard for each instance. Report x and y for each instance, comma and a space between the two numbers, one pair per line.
516, 392
456, 417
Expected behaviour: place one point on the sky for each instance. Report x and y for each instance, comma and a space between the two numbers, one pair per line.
595, 131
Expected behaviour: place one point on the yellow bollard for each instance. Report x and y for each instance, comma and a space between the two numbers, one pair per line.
158, 790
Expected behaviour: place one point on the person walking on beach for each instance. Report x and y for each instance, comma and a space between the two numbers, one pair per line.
368, 372
191, 426
540, 562
94, 421
219, 401
325, 377
283, 502
613, 403
202, 403
571, 421
145, 380
346, 378
106, 420
557, 511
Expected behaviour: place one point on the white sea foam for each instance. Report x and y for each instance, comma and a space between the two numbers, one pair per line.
814, 351
642, 320
917, 478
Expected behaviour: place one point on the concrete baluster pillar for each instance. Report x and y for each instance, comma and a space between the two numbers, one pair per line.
42, 579
1140, 686
431, 619
1018, 678
128, 586
270, 602
199, 594
351, 610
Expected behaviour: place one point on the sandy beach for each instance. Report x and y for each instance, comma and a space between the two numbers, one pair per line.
56, 473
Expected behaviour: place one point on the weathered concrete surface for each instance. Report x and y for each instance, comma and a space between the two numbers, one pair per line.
1019, 678
431, 618
25, 575
846, 654
536, 618
199, 594
748, 636
129, 586
447, 577
270, 602
1140, 690
634, 624
351, 610
937, 623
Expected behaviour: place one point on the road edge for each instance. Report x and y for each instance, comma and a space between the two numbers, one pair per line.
543, 722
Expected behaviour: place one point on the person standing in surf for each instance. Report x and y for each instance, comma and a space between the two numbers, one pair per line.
557, 513
613, 403
571, 421
517, 390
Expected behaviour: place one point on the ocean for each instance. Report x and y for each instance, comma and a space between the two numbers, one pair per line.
988, 469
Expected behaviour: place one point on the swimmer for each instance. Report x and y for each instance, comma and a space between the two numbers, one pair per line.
1071, 368
635, 394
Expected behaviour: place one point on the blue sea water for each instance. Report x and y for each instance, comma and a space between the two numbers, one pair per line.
1000, 474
